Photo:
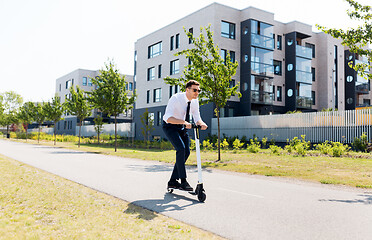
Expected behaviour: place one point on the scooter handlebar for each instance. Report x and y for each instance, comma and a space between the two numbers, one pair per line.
193, 125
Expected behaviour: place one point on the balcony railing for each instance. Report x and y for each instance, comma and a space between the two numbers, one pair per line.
262, 41
362, 88
262, 69
304, 77
304, 52
262, 97
304, 102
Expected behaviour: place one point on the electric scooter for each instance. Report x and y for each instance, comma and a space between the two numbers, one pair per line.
199, 190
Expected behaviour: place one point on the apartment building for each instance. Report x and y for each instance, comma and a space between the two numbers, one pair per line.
83, 79
282, 66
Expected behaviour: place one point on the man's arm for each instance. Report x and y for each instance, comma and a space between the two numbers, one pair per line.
174, 120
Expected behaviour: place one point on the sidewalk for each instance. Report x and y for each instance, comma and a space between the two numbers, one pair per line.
238, 206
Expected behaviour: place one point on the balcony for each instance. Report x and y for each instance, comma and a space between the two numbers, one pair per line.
262, 41
304, 102
304, 77
362, 88
262, 97
304, 52
262, 69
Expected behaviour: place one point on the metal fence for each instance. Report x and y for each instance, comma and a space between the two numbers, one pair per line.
337, 126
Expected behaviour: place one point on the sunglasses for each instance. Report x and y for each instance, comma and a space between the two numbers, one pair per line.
195, 90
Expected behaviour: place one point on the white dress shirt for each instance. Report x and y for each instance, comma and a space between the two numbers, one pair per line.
177, 106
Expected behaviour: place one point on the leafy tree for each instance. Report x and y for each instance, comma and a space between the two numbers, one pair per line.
148, 125
78, 105
212, 72
357, 39
111, 95
10, 102
39, 115
25, 115
98, 125
54, 111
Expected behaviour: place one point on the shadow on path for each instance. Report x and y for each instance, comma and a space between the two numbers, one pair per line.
364, 199
159, 205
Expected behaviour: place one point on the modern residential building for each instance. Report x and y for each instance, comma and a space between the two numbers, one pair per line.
83, 79
282, 66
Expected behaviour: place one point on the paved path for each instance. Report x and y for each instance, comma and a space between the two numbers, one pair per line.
238, 206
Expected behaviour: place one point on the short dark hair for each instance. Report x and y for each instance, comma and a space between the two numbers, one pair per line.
192, 82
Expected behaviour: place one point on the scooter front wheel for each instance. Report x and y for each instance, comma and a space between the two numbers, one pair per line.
202, 196
170, 190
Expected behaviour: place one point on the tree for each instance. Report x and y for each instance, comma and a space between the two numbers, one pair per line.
111, 95
148, 125
25, 115
212, 72
357, 39
98, 125
39, 115
78, 105
54, 111
10, 102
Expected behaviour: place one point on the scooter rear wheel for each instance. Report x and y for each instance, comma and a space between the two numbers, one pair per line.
202, 196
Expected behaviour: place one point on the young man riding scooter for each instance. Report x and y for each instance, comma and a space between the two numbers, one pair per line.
176, 121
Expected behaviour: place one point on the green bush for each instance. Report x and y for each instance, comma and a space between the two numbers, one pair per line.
207, 145
299, 146
360, 144
338, 149
192, 144
254, 146
276, 150
224, 145
237, 144
324, 148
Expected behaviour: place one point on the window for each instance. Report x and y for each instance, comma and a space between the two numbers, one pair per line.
312, 46
191, 30
232, 56
90, 83
158, 123
150, 74
148, 96
159, 71
227, 30
232, 83
68, 84
313, 74
367, 102
60, 87
277, 67
130, 86
279, 42
85, 81
313, 97
64, 124
177, 41
150, 119
223, 55
170, 91
157, 95
155, 50
171, 43
174, 67
176, 88
279, 93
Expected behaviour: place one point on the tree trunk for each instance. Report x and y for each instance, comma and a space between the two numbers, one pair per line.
38, 136
79, 132
55, 133
26, 131
116, 144
98, 137
218, 138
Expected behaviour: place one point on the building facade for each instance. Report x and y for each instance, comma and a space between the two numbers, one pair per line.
83, 79
282, 66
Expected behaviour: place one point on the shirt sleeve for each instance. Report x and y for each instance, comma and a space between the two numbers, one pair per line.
195, 112
169, 110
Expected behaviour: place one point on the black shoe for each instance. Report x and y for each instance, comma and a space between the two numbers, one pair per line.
174, 184
186, 187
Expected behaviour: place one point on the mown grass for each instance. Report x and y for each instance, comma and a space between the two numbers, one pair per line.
354, 170
37, 205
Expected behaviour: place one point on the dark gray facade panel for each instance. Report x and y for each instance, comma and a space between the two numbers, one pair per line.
350, 101
245, 68
290, 73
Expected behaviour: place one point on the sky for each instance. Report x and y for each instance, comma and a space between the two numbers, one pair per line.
42, 40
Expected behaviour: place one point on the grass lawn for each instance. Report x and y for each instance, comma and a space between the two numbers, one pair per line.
37, 205
353, 170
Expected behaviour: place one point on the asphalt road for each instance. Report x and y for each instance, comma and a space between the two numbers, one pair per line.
238, 206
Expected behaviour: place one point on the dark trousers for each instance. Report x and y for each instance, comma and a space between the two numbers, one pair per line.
179, 138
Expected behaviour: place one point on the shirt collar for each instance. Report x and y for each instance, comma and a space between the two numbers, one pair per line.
186, 99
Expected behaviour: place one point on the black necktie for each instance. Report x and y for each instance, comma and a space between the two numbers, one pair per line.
187, 118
